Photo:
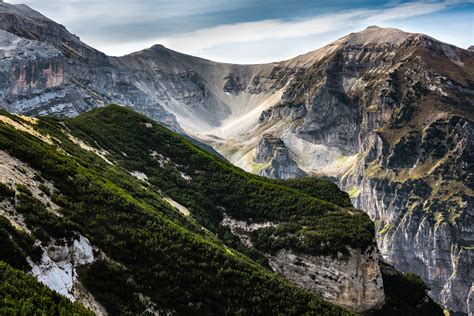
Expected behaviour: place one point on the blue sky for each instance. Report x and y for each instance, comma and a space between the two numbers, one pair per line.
249, 31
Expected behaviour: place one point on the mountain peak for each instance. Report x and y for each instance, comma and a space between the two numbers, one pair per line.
21, 10
377, 35
372, 35
373, 27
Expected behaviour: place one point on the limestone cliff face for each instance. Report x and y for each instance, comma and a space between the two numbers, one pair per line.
422, 208
353, 281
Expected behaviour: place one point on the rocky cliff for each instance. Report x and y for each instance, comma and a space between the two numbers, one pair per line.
275, 159
386, 114
353, 281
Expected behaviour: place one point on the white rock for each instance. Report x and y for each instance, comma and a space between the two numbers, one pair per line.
57, 269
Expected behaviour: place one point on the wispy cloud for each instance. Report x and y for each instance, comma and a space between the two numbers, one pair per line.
199, 27
70, 11
201, 40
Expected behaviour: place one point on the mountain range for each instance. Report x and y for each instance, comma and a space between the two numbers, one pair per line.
386, 115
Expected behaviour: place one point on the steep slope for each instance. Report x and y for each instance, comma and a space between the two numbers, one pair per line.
125, 216
140, 243
400, 114
386, 114
22, 294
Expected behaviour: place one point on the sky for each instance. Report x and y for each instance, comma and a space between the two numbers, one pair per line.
249, 31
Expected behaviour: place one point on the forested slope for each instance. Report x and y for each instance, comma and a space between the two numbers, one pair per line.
152, 205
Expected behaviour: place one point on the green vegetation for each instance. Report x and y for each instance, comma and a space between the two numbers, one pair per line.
217, 185
316, 237
5, 192
23, 189
16, 246
44, 188
155, 258
406, 295
322, 189
21, 294
42, 222
150, 249
385, 229
354, 192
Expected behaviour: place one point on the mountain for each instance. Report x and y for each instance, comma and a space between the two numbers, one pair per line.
385, 114
124, 216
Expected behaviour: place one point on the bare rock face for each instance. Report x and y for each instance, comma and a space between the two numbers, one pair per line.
457, 292
353, 281
426, 214
275, 158
277, 113
332, 118
57, 268
233, 85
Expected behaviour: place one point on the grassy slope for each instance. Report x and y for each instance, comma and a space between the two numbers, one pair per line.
151, 248
406, 295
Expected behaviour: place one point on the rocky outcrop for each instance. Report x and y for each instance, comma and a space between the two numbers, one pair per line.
353, 281
58, 270
233, 85
457, 291
412, 171
282, 112
59, 261
275, 159
243, 229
